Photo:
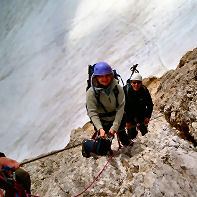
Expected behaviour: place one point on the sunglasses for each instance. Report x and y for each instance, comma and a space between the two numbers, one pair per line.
136, 82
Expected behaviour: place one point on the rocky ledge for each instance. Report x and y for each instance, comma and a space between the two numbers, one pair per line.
177, 96
161, 163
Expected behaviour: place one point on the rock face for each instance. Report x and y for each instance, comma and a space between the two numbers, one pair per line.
159, 164
177, 95
152, 84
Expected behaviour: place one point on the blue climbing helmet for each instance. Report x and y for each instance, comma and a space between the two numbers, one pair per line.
102, 68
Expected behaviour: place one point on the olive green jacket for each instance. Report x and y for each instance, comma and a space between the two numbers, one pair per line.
108, 99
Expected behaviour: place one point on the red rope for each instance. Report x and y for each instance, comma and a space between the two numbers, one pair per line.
29, 195
132, 141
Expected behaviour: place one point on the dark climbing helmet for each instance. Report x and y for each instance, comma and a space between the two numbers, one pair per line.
102, 68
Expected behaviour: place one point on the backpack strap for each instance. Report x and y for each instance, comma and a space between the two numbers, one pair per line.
116, 92
90, 73
97, 96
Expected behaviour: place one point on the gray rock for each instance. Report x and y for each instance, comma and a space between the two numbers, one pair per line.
159, 164
176, 95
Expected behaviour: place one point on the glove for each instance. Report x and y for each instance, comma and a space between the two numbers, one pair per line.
128, 125
112, 131
146, 121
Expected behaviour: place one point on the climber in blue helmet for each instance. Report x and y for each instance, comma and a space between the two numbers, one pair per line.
105, 102
103, 75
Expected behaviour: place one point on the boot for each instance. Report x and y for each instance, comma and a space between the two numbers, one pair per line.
143, 128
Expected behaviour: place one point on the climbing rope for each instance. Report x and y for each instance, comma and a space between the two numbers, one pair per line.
111, 157
29, 195
109, 160
49, 154
67, 148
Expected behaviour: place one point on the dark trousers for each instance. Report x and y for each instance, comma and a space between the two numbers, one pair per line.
138, 122
23, 178
123, 137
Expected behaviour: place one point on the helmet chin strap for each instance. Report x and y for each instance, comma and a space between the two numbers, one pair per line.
102, 86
